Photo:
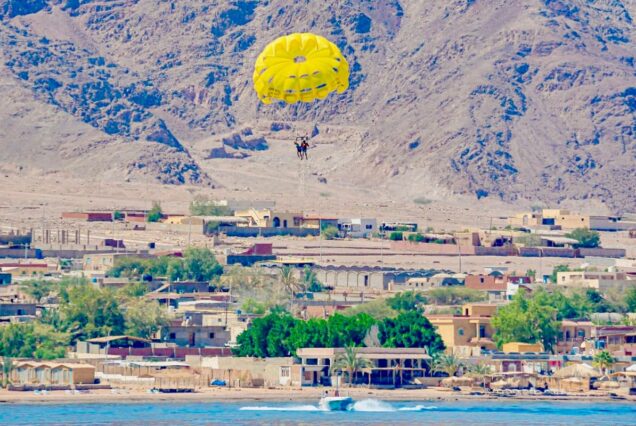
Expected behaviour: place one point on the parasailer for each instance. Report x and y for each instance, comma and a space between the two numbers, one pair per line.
300, 67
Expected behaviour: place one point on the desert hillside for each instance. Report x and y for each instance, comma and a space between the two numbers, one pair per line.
507, 99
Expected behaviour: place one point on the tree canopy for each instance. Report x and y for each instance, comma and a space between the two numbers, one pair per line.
585, 238
197, 264
32, 340
280, 334
410, 330
527, 320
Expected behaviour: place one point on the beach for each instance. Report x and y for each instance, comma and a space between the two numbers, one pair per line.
280, 395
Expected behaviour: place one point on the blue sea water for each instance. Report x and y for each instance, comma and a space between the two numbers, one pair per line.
366, 412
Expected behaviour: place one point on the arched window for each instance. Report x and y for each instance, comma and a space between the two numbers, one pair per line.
460, 331
276, 222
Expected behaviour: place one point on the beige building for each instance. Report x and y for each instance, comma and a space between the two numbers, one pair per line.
35, 373
468, 333
248, 372
104, 262
389, 366
270, 219
601, 281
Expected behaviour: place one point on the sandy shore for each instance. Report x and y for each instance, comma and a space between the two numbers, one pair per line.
278, 395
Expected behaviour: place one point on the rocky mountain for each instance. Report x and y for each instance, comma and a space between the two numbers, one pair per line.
511, 99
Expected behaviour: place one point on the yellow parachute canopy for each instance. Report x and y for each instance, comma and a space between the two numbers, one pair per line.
300, 67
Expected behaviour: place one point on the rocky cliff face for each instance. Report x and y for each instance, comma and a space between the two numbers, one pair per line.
502, 98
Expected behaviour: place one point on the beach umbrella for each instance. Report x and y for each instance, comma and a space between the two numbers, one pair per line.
577, 371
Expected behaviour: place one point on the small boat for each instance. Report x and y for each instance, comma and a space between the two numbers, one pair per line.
336, 403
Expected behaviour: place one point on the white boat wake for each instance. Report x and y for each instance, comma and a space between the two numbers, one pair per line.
365, 405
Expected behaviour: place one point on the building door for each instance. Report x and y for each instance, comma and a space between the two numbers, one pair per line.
193, 339
276, 222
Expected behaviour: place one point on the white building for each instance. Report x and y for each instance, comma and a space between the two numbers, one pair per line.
357, 227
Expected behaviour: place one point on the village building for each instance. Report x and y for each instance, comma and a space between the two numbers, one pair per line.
377, 279
46, 374
392, 367
26, 269
104, 262
268, 218
357, 227
469, 333
88, 216
564, 219
601, 281
17, 312
191, 332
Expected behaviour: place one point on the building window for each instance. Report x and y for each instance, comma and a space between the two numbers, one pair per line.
211, 335
369, 226
366, 281
460, 331
284, 371
172, 336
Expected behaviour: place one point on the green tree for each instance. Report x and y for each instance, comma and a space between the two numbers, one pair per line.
454, 295
347, 330
585, 238
416, 238
144, 318
117, 215
310, 281
556, 270
254, 307
203, 206
531, 240
406, 301
604, 361
630, 299
532, 274
289, 281
7, 369
396, 236
378, 309
446, 363
37, 289
527, 320
155, 214
87, 312
267, 337
410, 330
350, 362
480, 371
330, 232
200, 264
32, 340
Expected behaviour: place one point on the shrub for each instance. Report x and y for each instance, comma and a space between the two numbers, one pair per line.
155, 214
396, 236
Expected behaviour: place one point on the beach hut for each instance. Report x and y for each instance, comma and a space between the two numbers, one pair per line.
581, 371
451, 382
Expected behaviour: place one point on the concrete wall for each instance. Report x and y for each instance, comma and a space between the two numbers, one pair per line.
240, 231
194, 229
359, 280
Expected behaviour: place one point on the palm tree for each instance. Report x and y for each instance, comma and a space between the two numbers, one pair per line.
446, 363
603, 361
480, 370
7, 368
350, 362
289, 280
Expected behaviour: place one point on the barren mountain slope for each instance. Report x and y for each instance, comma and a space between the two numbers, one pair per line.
499, 98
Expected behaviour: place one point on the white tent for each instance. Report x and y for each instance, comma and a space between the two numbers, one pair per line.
631, 368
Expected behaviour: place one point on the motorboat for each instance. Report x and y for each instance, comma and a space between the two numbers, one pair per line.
336, 403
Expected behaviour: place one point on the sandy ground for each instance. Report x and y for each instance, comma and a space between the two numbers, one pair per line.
35, 201
278, 395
